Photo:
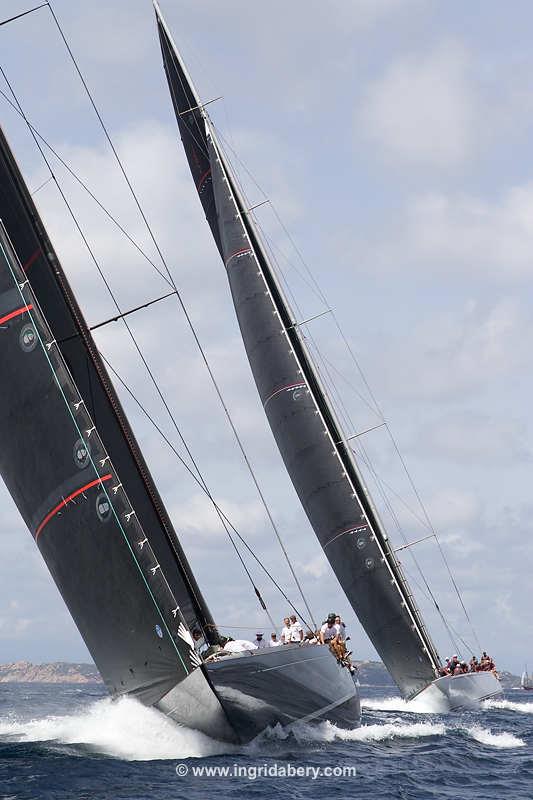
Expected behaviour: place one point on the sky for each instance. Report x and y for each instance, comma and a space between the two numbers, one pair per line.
393, 140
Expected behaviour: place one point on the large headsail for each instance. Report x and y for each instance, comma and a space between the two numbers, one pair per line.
71, 463
307, 432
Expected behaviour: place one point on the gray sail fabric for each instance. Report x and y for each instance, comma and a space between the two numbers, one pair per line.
73, 467
319, 464
318, 475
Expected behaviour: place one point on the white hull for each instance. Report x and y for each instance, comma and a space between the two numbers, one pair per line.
454, 692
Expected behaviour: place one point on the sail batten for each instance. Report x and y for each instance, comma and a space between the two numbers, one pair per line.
307, 432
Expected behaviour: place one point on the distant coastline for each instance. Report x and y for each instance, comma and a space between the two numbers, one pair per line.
370, 673
56, 672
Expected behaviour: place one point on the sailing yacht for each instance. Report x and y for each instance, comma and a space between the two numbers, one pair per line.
309, 436
526, 682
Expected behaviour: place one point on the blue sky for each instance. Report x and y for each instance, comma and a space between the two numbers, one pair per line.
393, 137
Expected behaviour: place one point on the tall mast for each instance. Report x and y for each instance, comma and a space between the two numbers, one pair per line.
308, 434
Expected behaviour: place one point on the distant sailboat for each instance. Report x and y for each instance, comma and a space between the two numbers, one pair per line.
526, 681
307, 431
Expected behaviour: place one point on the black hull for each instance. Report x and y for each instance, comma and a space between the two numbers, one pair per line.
240, 695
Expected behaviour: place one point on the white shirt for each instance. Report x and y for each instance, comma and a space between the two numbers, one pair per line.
273, 643
342, 631
286, 634
295, 631
238, 645
260, 643
329, 633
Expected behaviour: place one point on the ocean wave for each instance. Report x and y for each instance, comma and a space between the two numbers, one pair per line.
502, 740
420, 705
123, 729
328, 732
508, 705
127, 730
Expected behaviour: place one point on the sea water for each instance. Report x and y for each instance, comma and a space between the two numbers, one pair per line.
65, 742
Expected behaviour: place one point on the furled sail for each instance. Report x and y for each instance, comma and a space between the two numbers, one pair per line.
71, 463
308, 435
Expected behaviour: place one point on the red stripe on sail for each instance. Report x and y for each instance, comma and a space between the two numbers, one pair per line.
66, 500
238, 253
203, 178
16, 313
32, 259
299, 385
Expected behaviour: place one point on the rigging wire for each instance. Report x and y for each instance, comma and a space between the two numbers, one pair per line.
318, 291
132, 336
467, 646
83, 185
182, 305
23, 14
133, 242
320, 294
224, 406
171, 281
195, 478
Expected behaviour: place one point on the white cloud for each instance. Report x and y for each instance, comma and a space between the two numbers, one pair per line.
197, 519
423, 109
453, 354
316, 567
457, 232
469, 436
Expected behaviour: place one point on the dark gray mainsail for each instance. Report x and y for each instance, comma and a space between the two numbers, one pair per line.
310, 439
75, 471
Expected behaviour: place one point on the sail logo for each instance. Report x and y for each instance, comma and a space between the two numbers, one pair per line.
81, 453
103, 507
28, 338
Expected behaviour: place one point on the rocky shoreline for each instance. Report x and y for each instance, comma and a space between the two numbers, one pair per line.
371, 673
57, 672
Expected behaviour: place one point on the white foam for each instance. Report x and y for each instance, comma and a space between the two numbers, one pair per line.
420, 705
501, 740
508, 705
327, 732
124, 729
128, 730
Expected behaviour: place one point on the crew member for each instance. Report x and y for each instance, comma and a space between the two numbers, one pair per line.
286, 631
329, 630
342, 628
296, 630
